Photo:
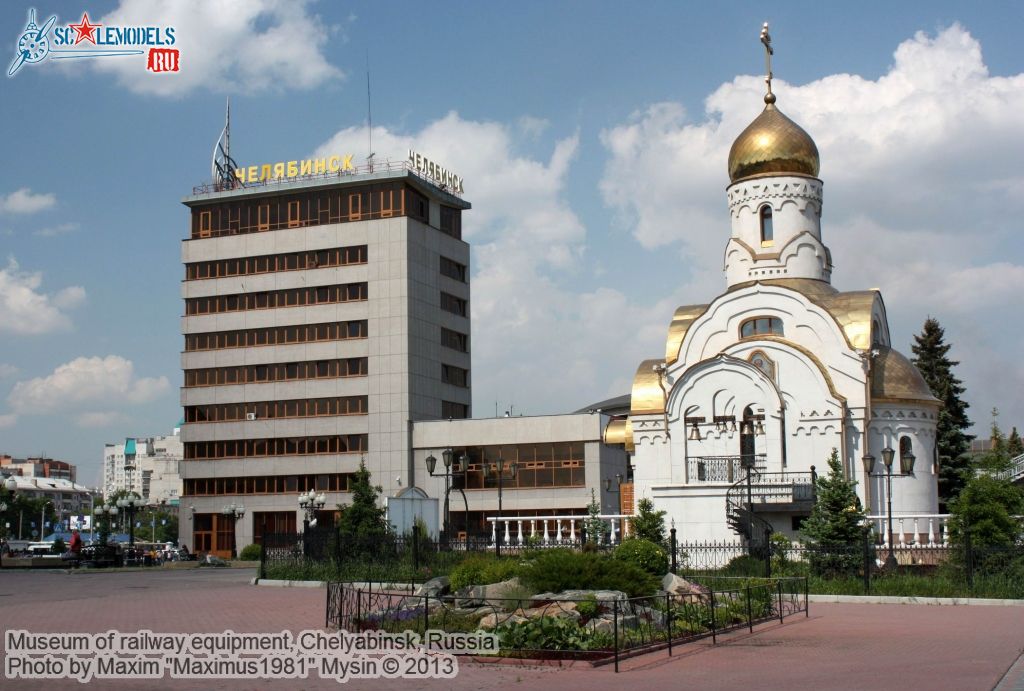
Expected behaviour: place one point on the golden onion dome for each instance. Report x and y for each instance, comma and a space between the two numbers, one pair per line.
772, 144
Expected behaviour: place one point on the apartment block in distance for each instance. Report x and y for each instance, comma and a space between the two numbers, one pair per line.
323, 314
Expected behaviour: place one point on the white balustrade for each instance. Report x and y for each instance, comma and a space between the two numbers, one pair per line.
553, 530
916, 530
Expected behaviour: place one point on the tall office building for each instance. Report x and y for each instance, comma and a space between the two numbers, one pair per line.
323, 314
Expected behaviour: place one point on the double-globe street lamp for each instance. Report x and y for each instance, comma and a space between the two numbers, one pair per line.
310, 502
489, 472
105, 512
447, 457
232, 512
907, 459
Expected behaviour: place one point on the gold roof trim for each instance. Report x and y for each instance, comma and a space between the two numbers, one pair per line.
852, 311
895, 378
810, 356
681, 321
620, 433
773, 145
647, 395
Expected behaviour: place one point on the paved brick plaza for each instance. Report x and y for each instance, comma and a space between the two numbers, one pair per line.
841, 646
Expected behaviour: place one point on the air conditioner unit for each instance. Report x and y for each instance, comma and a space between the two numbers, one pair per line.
250, 416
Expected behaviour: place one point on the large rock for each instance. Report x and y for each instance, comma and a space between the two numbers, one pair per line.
626, 621
434, 587
600, 626
674, 585
555, 610
475, 595
602, 595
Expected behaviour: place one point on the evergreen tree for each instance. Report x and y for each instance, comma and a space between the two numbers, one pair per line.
648, 524
952, 441
835, 529
363, 520
594, 525
989, 502
1014, 445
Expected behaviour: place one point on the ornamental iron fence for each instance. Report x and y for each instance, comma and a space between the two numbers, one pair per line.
584, 627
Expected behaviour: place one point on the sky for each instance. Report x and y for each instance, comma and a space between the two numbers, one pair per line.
592, 138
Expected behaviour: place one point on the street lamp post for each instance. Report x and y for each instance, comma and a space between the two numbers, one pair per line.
310, 502
130, 503
106, 513
907, 459
488, 471
233, 512
447, 457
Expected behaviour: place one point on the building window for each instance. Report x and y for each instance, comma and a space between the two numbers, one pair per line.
280, 371
451, 221
453, 269
454, 340
455, 305
456, 376
767, 231
291, 446
294, 297
454, 411
761, 325
247, 266
314, 407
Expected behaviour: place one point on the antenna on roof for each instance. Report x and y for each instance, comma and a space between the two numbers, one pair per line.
222, 167
369, 116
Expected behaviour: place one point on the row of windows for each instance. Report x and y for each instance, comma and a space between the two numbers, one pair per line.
311, 407
295, 297
254, 448
276, 335
280, 371
761, 325
453, 269
454, 340
310, 208
456, 376
451, 410
523, 453
453, 304
529, 475
269, 263
279, 484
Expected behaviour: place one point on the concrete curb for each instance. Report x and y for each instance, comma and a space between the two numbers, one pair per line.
275, 583
893, 600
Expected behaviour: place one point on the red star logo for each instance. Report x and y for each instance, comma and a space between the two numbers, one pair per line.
84, 31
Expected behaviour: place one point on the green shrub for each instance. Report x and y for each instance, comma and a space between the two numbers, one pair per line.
550, 633
643, 554
589, 607
561, 569
250, 553
744, 565
481, 569
58, 547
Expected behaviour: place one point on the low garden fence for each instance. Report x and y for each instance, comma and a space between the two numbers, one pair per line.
551, 627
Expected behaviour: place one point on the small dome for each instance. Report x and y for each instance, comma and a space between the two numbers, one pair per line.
894, 377
772, 144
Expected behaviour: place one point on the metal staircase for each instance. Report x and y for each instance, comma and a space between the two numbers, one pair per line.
748, 499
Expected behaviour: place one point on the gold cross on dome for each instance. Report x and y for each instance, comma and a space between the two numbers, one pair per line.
768, 52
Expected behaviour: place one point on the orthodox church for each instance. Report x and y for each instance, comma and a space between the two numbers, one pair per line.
756, 388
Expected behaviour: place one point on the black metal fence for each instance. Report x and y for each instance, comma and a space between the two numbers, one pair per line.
954, 571
582, 628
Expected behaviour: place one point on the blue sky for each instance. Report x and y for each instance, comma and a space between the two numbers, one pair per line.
592, 138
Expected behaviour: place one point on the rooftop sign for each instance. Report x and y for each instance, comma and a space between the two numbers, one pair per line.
436, 172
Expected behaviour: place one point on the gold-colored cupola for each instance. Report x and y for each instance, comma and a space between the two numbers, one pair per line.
772, 144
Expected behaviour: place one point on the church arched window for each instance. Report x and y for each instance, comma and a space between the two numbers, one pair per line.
767, 230
761, 325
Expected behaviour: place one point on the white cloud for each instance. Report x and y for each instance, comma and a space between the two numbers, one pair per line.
25, 201
54, 231
8, 420
923, 191
83, 380
26, 311
230, 45
100, 418
7, 370
538, 343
